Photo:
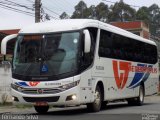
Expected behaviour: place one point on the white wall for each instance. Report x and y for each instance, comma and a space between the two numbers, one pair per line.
5, 80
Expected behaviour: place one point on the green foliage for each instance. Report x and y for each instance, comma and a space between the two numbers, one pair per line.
102, 11
91, 12
80, 10
154, 15
64, 15
120, 11
143, 14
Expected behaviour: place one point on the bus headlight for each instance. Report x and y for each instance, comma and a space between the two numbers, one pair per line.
16, 87
70, 85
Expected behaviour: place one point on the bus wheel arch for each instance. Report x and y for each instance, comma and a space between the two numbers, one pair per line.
103, 102
142, 84
100, 84
140, 99
99, 98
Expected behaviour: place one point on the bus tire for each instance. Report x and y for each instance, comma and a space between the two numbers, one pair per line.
104, 105
96, 105
41, 109
140, 98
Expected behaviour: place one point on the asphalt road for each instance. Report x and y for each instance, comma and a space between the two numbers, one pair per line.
114, 111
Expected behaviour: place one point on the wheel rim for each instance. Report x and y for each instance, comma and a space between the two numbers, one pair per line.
98, 98
141, 95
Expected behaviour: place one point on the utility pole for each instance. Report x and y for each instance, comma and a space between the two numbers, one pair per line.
37, 10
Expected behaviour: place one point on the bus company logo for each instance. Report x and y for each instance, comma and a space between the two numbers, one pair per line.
121, 72
33, 83
26, 84
122, 69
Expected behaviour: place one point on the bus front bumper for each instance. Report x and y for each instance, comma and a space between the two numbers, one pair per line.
66, 98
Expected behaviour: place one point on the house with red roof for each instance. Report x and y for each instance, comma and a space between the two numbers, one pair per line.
137, 27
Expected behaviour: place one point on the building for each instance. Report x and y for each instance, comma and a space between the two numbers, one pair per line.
10, 47
137, 27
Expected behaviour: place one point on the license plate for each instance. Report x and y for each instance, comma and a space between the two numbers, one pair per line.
41, 104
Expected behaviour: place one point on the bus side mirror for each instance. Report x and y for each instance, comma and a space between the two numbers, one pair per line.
4, 43
87, 41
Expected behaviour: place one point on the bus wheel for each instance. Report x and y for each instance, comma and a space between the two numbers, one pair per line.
96, 105
140, 98
41, 109
104, 105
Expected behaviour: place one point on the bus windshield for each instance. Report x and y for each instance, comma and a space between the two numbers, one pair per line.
46, 54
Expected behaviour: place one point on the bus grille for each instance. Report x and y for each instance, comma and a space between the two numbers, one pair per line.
41, 99
41, 90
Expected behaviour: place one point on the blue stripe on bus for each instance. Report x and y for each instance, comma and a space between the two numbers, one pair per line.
24, 84
137, 77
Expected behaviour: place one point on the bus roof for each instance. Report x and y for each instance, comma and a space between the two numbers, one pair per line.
76, 24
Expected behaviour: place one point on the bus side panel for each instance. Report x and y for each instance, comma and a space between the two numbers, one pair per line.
151, 85
86, 90
104, 68
121, 81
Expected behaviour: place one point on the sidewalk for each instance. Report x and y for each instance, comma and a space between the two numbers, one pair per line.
15, 109
154, 98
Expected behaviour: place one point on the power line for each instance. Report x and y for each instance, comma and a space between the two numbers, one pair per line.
15, 4
55, 5
46, 14
116, 2
10, 4
51, 10
16, 10
30, 1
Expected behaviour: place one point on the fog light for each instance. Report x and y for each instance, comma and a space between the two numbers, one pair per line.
15, 98
74, 97
12, 98
71, 97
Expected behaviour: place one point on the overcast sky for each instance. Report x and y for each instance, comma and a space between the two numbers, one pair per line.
12, 20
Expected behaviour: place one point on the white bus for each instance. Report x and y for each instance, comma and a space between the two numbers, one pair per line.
79, 61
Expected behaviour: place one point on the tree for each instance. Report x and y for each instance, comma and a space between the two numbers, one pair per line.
153, 11
154, 15
150, 15
47, 17
102, 12
122, 12
80, 10
143, 14
91, 12
64, 15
